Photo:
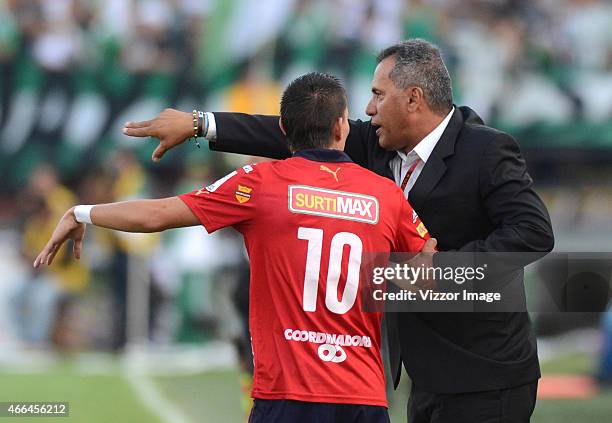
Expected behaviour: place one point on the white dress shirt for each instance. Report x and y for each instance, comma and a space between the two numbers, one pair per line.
211, 135
403, 162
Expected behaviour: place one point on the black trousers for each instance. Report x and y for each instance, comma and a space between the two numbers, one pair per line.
513, 405
288, 411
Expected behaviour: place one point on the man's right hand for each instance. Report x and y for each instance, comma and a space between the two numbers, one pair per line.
171, 127
424, 260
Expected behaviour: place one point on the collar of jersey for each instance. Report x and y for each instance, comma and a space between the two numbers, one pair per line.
323, 155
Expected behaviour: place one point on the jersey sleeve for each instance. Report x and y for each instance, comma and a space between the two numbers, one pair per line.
230, 201
411, 233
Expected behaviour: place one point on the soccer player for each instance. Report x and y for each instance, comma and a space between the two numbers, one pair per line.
306, 221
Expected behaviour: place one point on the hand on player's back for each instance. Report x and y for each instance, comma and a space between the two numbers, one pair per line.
424, 259
67, 228
171, 127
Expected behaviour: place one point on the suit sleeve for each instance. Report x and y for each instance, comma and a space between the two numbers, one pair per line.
357, 142
260, 135
254, 135
230, 201
520, 217
411, 233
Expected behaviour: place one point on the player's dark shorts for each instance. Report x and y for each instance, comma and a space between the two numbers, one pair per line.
288, 411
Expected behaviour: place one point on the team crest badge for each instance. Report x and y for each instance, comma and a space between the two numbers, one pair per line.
243, 194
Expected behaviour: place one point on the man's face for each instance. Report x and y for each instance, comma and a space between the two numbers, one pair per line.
387, 108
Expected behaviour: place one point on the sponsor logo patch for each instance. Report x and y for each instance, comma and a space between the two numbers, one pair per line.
422, 230
243, 193
333, 172
331, 203
331, 345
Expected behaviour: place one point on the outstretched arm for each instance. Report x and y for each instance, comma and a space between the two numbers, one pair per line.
255, 135
128, 216
171, 127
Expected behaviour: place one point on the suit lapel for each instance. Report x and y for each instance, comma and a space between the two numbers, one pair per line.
435, 167
380, 164
429, 177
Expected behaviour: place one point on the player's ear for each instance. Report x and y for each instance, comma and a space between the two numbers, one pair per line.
281, 126
346, 127
337, 131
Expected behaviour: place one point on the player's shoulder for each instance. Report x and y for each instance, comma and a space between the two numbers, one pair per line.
384, 189
255, 170
251, 167
382, 183
249, 172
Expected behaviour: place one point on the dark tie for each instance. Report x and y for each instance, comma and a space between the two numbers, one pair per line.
407, 176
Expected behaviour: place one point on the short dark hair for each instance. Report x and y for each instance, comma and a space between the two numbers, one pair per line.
309, 108
419, 63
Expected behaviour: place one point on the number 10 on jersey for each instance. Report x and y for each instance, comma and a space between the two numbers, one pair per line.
313, 266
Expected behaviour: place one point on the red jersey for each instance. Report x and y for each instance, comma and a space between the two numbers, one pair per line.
306, 222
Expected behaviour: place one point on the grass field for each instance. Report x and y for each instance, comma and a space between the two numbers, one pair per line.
91, 398
112, 394
594, 410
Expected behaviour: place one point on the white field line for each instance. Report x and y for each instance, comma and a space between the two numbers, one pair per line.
139, 365
151, 397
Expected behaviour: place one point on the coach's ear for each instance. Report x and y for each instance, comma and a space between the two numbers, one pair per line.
282, 128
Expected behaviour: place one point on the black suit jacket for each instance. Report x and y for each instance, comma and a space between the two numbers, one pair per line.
474, 194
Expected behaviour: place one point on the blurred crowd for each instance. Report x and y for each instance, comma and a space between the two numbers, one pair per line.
72, 71
184, 279
551, 58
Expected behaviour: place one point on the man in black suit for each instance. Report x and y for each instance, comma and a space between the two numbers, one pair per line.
470, 186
